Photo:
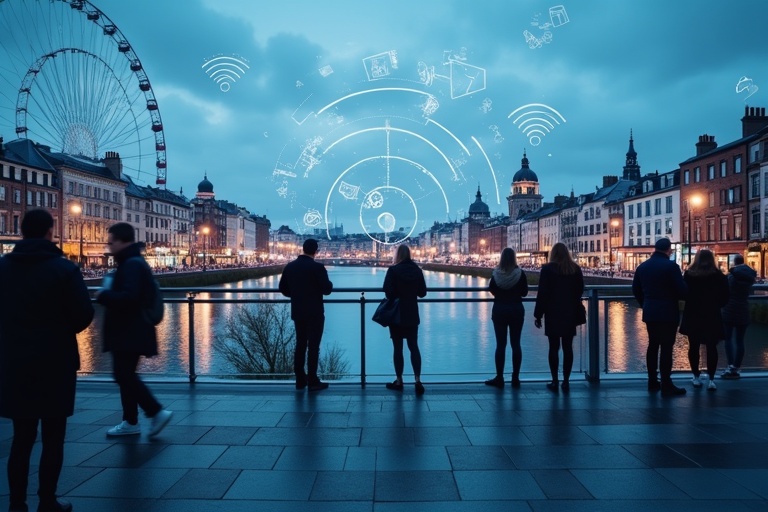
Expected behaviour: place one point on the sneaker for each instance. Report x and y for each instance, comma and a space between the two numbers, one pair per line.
56, 505
731, 373
159, 421
515, 382
318, 386
395, 386
497, 382
419, 388
696, 381
711, 386
124, 429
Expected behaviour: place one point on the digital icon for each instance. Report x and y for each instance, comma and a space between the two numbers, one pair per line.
536, 120
348, 191
386, 222
374, 200
497, 137
536, 42
486, 106
325, 71
312, 218
745, 84
225, 70
558, 16
380, 65
464, 78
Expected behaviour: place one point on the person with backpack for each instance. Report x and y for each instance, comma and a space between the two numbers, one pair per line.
129, 330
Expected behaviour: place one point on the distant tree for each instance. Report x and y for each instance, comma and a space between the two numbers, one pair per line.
259, 342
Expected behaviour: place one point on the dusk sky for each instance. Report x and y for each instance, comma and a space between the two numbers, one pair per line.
386, 115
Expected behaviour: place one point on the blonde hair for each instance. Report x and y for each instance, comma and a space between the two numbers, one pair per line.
403, 253
561, 258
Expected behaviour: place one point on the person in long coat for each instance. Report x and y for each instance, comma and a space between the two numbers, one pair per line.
405, 281
508, 286
44, 303
702, 321
741, 278
558, 301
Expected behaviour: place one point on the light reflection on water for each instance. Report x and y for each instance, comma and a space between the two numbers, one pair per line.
455, 338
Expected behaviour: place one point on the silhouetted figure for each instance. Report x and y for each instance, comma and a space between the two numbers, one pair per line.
405, 281
741, 278
508, 285
702, 323
128, 334
558, 300
44, 303
305, 281
658, 287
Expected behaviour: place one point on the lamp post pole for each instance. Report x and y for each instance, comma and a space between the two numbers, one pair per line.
77, 212
206, 230
690, 240
81, 243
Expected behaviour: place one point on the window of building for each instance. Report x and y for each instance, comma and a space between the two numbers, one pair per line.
106, 212
724, 229
711, 172
71, 188
723, 169
597, 246
591, 229
765, 184
657, 227
737, 227
648, 208
755, 186
2, 193
648, 228
687, 177
754, 152
686, 227
591, 246
38, 199
115, 213
30, 201
639, 210
657, 206
80, 189
711, 199
668, 224
631, 230
605, 227
710, 229
97, 210
696, 174
737, 164
669, 204
631, 212
54, 201
45, 180
114, 197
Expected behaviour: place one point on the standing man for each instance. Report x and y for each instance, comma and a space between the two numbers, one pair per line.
127, 333
741, 278
43, 304
305, 281
658, 286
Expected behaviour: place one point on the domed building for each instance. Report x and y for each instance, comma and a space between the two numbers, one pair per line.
205, 189
525, 197
209, 237
479, 211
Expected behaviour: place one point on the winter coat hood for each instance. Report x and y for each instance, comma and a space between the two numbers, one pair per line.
506, 280
744, 273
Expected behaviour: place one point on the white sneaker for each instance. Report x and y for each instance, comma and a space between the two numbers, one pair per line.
696, 381
124, 429
712, 386
159, 421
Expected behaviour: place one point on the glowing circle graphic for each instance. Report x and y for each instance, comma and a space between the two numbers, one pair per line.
387, 222
393, 199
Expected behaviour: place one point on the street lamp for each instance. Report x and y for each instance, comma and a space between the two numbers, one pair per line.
614, 225
482, 247
206, 230
692, 202
77, 211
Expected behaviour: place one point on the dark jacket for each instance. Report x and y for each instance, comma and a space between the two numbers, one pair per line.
508, 290
405, 281
558, 300
44, 303
125, 328
305, 281
658, 286
740, 281
701, 316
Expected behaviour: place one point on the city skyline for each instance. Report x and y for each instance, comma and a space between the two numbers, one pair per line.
392, 117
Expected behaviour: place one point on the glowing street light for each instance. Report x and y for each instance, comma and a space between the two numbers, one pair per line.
693, 201
614, 225
206, 230
77, 211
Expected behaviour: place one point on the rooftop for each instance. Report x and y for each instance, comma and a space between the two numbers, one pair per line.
460, 447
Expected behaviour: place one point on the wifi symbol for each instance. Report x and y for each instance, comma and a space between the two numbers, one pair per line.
225, 71
536, 120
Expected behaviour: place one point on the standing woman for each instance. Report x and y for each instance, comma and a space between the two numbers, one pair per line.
508, 286
405, 281
558, 300
702, 321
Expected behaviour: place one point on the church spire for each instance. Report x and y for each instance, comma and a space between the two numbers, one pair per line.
631, 168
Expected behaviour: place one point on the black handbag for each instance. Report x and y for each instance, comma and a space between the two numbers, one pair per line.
581, 314
387, 313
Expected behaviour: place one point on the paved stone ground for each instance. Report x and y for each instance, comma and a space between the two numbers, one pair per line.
460, 447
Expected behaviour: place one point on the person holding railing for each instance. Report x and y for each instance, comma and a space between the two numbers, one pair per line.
558, 300
405, 281
508, 286
741, 278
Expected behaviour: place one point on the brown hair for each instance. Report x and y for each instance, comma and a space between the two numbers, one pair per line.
507, 260
403, 253
561, 259
703, 264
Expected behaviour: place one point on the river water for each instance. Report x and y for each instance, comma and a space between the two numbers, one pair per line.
456, 339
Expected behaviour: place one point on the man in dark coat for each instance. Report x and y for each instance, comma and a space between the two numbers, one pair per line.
305, 281
128, 334
658, 285
44, 303
741, 278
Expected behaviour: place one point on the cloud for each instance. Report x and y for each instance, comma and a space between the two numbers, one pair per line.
214, 112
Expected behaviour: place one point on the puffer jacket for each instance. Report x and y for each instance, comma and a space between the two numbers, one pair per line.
740, 281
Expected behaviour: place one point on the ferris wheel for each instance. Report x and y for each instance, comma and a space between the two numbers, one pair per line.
70, 80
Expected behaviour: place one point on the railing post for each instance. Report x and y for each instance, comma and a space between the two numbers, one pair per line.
362, 339
191, 309
593, 337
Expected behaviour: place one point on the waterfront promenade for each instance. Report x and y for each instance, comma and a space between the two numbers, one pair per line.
461, 447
